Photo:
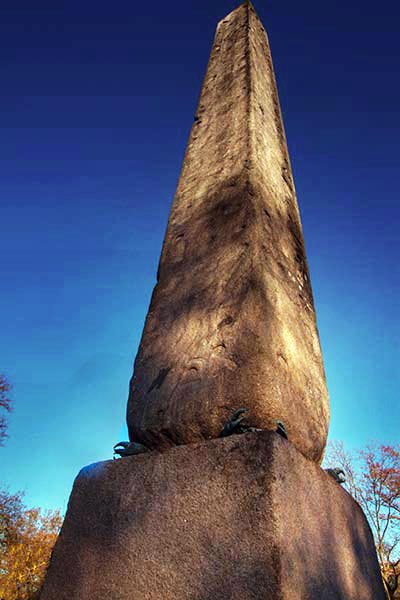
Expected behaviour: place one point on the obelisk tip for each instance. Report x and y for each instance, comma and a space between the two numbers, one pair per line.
247, 5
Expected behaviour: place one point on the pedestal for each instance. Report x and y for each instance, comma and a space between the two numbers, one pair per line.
240, 518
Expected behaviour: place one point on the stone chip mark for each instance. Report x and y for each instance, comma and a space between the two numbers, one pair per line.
227, 321
159, 380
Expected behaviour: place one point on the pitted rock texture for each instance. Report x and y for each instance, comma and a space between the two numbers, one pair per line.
232, 321
244, 518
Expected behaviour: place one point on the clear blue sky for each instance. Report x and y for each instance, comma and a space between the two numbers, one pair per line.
96, 106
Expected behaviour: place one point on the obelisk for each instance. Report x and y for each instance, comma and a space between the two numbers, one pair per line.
231, 324
232, 321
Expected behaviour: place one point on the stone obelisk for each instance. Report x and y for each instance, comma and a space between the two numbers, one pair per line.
231, 324
232, 320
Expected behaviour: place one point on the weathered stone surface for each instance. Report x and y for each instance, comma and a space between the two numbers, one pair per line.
232, 320
246, 517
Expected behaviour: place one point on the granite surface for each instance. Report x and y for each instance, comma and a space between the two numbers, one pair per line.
245, 518
232, 320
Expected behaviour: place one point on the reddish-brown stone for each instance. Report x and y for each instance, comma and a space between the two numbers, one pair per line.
244, 518
232, 320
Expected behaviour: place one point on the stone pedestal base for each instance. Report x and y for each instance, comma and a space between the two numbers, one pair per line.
246, 517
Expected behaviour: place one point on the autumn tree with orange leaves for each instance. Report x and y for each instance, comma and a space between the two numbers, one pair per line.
373, 479
27, 536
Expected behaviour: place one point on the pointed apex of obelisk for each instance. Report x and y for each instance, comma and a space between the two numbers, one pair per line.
246, 5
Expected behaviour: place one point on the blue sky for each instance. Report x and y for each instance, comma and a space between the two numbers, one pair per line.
96, 106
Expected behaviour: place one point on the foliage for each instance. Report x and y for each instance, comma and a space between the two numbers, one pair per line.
27, 537
5, 405
373, 479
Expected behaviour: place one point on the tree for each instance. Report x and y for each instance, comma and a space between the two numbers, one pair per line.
373, 479
27, 537
5, 405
